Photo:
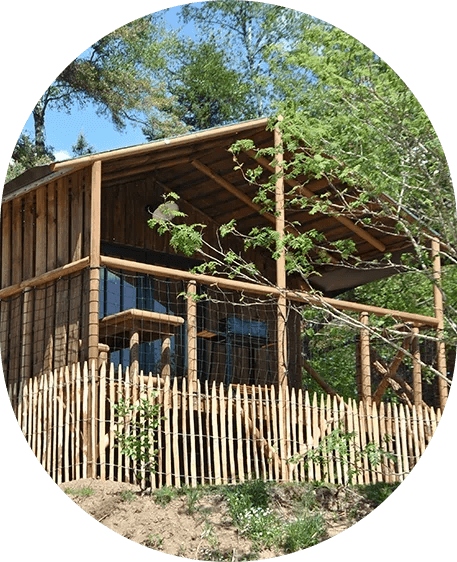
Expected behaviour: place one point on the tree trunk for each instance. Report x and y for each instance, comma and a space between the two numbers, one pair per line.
38, 118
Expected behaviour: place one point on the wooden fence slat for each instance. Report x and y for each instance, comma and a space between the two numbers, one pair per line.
363, 441
404, 441
60, 424
230, 438
112, 428
200, 432
215, 434
193, 452
343, 422
239, 434
255, 443
167, 430
247, 433
184, 408
293, 466
208, 434
175, 437
263, 457
338, 454
39, 428
223, 432
102, 421
309, 435
390, 443
66, 443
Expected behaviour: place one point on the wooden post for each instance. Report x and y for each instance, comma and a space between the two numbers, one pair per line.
365, 364
417, 374
94, 303
439, 314
94, 278
135, 351
281, 266
191, 336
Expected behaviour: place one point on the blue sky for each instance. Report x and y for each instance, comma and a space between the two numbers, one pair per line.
62, 128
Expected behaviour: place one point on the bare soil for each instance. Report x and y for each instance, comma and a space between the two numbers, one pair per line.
206, 531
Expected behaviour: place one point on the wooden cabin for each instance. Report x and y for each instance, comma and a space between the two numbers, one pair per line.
84, 278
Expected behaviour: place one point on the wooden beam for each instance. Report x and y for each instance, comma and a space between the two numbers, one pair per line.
308, 193
182, 140
246, 199
390, 371
233, 190
439, 315
44, 278
258, 289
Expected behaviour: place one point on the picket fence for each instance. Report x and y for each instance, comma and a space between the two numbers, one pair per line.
215, 434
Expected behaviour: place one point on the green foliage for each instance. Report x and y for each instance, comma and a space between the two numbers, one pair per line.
128, 496
306, 531
82, 146
247, 30
184, 238
26, 156
337, 445
377, 493
361, 114
250, 507
135, 434
154, 541
208, 92
84, 492
163, 496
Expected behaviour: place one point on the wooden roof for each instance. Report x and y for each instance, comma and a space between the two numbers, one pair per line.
200, 169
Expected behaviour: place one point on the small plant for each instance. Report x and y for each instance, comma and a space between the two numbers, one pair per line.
81, 492
154, 541
163, 496
303, 533
135, 435
337, 446
377, 493
128, 496
193, 495
249, 508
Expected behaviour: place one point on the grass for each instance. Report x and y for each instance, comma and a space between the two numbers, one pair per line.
253, 510
81, 492
377, 493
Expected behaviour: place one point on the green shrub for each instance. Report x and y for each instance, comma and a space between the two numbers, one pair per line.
303, 533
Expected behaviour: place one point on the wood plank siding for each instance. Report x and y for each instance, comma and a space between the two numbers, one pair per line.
42, 230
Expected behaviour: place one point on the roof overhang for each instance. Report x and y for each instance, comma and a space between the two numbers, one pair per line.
199, 167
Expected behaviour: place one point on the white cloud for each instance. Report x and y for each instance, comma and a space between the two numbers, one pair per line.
61, 155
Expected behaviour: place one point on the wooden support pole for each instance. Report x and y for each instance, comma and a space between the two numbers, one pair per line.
365, 364
94, 261
281, 264
417, 372
191, 336
134, 352
439, 314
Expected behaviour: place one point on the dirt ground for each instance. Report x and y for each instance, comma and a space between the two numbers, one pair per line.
205, 533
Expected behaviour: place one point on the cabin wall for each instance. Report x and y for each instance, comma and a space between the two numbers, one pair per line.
40, 231
124, 221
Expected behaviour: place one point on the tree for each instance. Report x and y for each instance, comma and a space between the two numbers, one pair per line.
25, 156
362, 114
354, 120
82, 146
246, 31
207, 92
115, 75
